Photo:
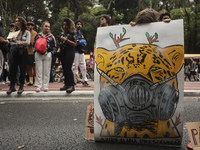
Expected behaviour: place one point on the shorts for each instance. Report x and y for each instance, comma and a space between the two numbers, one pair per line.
30, 60
192, 72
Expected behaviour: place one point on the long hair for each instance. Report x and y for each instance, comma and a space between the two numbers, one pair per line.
147, 16
23, 23
107, 18
70, 24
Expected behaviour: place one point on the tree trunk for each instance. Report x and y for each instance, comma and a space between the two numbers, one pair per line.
76, 14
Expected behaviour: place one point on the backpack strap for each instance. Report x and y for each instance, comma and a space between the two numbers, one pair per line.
39, 35
48, 36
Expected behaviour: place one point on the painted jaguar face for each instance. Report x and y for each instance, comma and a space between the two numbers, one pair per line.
148, 60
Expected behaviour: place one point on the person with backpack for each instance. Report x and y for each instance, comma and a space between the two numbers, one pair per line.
18, 55
44, 45
79, 60
68, 39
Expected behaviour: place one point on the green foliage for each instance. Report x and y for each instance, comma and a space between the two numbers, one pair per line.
57, 24
120, 11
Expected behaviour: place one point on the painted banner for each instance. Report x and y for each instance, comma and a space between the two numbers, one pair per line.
139, 84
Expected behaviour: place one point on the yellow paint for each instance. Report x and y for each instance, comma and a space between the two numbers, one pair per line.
150, 61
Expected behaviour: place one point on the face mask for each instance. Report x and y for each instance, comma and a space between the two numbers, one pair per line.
137, 99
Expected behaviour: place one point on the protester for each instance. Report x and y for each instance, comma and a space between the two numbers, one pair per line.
31, 60
68, 41
165, 17
18, 55
43, 60
192, 70
150, 15
104, 20
2, 49
79, 60
187, 72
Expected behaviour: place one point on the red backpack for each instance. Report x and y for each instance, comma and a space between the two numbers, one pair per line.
41, 44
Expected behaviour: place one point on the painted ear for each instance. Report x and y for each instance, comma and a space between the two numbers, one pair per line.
101, 55
175, 54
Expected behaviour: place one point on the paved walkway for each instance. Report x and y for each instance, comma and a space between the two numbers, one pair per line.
190, 89
52, 87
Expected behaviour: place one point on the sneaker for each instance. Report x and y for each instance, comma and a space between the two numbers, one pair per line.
30, 84
38, 90
86, 84
2, 83
35, 85
46, 90
70, 89
64, 88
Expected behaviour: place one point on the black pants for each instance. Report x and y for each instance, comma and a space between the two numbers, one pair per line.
15, 61
67, 59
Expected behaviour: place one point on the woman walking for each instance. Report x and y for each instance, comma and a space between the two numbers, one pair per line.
18, 55
68, 41
43, 59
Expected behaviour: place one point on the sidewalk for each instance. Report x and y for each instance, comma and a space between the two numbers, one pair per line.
190, 89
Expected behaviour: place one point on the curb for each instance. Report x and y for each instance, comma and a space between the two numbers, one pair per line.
50, 94
75, 94
192, 93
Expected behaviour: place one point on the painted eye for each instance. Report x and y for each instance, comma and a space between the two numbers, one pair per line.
119, 69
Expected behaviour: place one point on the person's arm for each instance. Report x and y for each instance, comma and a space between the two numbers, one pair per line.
34, 41
2, 40
71, 43
53, 45
28, 38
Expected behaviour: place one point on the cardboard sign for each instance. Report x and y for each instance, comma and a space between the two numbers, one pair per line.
13, 34
194, 134
139, 84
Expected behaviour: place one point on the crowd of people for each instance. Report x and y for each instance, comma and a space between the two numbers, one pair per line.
32, 53
37, 51
191, 70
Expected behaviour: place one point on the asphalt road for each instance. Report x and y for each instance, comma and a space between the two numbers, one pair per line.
60, 125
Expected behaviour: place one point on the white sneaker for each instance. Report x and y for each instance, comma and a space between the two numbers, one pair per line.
38, 90
2, 83
46, 89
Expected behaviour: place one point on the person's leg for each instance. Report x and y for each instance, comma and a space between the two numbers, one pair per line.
75, 67
82, 66
39, 69
13, 71
51, 72
68, 65
47, 67
1, 62
69, 77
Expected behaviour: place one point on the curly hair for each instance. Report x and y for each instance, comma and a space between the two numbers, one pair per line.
70, 24
77, 21
164, 14
147, 16
23, 23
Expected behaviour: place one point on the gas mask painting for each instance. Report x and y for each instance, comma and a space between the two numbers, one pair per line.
139, 83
